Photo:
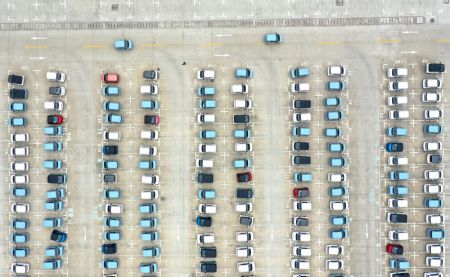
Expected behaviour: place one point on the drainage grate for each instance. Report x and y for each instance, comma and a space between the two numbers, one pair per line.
114, 7
339, 2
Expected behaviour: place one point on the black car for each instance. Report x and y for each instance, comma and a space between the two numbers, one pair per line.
435, 68
244, 177
109, 178
150, 75
246, 220
301, 160
110, 149
206, 178
58, 236
16, 79
204, 221
244, 193
397, 218
301, 104
208, 252
300, 221
54, 119
151, 119
400, 274
300, 145
434, 158
56, 178
109, 248
241, 119
206, 267
16, 93
56, 91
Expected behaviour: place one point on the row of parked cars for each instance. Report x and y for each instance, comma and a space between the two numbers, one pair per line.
398, 174
20, 179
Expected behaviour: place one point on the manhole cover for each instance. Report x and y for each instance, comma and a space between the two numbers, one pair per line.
115, 7
339, 2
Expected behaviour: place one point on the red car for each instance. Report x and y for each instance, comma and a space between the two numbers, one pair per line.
151, 119
110, 78
395, 249
244, 177
55, 119
301, 192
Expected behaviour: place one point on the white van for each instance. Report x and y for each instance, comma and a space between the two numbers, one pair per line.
201, 163
243, 207
337, 177
242, 104
300, 87
19, 179
399, 114
239, 88
398, 235
302, 205
299, 264
243, 252
149, 134
301, 236
205, 238
149, 194
244, 236
334, 249
207, 148
243, 147
150, 179
397, 160
19, 151
148, 150
207, 208
20, 137
302, 251
149, 89
111, 135
54, 105
206, 74
206, 118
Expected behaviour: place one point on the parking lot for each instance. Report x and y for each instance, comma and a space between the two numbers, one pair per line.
178, 55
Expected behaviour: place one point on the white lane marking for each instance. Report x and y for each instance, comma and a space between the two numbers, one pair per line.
37, 38
224, 35
410, 32
37, 58
221, 55
367, 230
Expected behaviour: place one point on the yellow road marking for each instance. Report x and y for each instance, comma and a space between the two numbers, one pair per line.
212, 44
151, 45
388, 40
36, 46
94, 46
329, 42
442, 40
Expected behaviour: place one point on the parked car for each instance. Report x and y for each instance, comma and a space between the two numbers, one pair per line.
335, 85
301, 131
206, 74
18, 121
56, 76
397, 72
150, 75
432, 129
243, 73
432, 83
111, 90
435, 68
53, 130
336, 70
301, 177
396, 131
53, 164
18, 106
16, 79
397, 85
272, 38
298, 72
395, 249
397, 218
110, 78
16, 93
394, 147
431, 97
332, 102
301, 192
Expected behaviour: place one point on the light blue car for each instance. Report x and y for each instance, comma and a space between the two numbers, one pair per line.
242, 133
243, 73
335, 85
337, 191
149, 104
52, 264
336, 147
148, 208
206, 91
148, 267
433, 203
337, 162
332, 132
151, 251
56, 193
53, 131
150, 222
21, 224
332, 102
338, 220
397, 175
333, 116
54, 205
123, 44
53, 146
53, 164
20, 191
207, 104
436, 233
397, 190
112, 235
148, 164
432, 129
206, 194
113, 118
301, 177
111, 264
338, 233
299, 72
111, 90
111, 194
207, 134
17, 121
18, 107
112, 222
110, 164
53, 222
242, 163
396, 132
54, 251
301, 131
19, 237
20, 252
111, 106
398, 263
150, 236
272, 38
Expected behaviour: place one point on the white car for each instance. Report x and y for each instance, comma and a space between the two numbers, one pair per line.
434, 248
205, 238
202, 163
334, 264
396, 85
207, 208
302, 205
243, 252
152, 134
206, 118
206, 74
149, 89
433, 114
434, 218
431, 83
207, 148
434, 261
111, 135
302, 251
433, 274
19, 166
244, 236
243, 207
56, 76
395, 72
239, 88
431, 97
20, 268
300, 87
245, 267
20, 208
54, 105
150, 179
301, 117
398, 235
334, 249
149, 194
397, 203
301, 236
397, 100
20, 137
19, 151
19, 179
299, 264
113, 208
432, 146
432, 188
395, 160
433, 174
336, 70
242, 104
148, 150
243, 147
338, 205
399, 114
337, 177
